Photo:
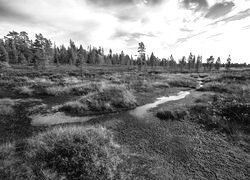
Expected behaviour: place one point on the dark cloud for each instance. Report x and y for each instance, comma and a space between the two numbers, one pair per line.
131, 38
215, 35
193, 4
219, 9
120, 34
186, 29
181, 40
239, 16
122, 2
7, 13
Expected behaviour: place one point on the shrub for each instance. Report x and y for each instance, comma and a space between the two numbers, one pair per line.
66, 153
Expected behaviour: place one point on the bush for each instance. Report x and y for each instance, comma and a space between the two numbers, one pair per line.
65, 153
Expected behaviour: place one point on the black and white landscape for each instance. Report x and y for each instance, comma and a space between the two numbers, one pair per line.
124, 89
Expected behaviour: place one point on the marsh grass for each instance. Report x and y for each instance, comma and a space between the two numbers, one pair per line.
63, 153
24, 90
108, 98
6, 107
164, 114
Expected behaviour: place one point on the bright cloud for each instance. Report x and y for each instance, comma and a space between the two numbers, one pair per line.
205, 27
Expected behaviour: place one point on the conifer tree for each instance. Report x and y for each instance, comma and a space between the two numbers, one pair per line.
3, 53
218, 64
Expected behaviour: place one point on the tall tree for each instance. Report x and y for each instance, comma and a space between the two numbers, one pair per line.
172, 63
210, 62
190, 59
72, 51
42, 50
218, 64
228, 62
198, 63
152, 60
56, 55
182, 63
141, 57
3, 53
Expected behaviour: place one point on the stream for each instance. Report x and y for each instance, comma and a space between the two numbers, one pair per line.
143, 111
139, 112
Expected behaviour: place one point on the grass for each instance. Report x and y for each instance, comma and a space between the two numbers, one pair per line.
164, 114
179, 80
227, 113
63, 153
108, 98
24, 90
220, 87
6, 107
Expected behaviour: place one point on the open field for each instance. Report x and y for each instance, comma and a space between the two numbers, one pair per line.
71, 123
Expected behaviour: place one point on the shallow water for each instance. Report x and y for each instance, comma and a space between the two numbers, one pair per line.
57, 118
139, 112
142, 111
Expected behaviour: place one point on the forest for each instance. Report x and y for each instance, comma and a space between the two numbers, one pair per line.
18, 48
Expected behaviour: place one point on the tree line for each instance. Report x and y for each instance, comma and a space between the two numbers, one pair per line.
18, 48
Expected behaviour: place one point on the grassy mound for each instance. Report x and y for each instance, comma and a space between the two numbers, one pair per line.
63, 153
109, 98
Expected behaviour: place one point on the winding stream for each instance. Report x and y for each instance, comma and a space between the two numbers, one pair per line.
139, 112
143, 111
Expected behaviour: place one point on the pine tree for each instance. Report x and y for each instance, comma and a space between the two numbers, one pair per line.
72, 51
141, 57
152, 60
182, 63
3, 53
190, 58
218, 64
21, 58
228, 62
210, 62
172, 63
198, 63
56, 55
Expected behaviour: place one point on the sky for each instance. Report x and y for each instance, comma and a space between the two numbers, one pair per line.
178, 27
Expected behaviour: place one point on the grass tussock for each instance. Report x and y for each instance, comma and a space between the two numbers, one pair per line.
108, 98
63, 153
24, 90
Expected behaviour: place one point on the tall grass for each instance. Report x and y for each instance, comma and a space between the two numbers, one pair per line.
6, 107
108, 98
63, 153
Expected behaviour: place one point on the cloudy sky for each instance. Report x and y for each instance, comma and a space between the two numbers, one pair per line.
178, 27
